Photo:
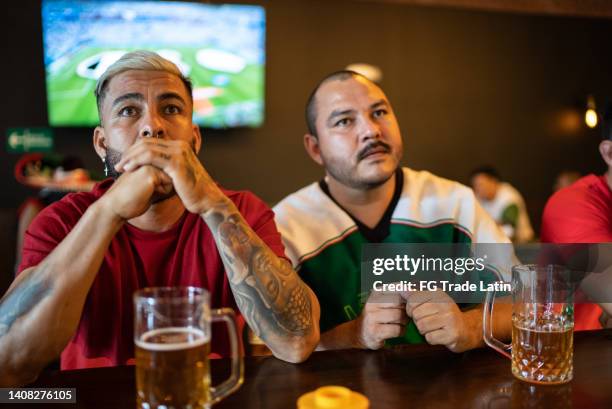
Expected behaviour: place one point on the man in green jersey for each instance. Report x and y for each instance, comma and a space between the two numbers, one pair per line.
366, 197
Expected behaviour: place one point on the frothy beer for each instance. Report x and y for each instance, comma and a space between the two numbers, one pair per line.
172, 369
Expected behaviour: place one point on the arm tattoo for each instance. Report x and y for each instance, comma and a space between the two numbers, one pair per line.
270, 295
21, 300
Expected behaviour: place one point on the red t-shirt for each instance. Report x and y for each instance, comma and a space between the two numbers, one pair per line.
184, 255
580, 213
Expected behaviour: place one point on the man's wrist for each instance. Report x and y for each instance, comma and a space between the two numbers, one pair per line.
355, 339
215, 202
103, 211
473, 320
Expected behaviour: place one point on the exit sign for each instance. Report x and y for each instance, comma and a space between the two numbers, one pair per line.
22, 140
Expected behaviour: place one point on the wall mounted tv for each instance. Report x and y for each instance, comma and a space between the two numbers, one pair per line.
221, 47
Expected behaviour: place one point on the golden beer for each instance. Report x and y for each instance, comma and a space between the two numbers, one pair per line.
542, 352
172, 369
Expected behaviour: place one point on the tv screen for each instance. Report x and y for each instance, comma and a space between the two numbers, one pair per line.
220, 47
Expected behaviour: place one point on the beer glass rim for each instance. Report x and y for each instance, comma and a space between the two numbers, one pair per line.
170, 294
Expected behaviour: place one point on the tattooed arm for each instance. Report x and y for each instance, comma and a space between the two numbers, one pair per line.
41, 311
275, 302
278, 306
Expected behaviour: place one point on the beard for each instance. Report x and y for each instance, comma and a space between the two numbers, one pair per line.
112, 158
348, 175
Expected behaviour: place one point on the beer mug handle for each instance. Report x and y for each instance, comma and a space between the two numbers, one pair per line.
236, 378
487, 327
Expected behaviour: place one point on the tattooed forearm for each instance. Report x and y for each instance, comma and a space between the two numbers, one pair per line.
267, 290
237, 245
281, 290
21, 299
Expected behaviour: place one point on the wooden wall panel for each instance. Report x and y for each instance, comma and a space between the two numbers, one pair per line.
590, 8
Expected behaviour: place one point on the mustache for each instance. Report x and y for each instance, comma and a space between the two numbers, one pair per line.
369, 148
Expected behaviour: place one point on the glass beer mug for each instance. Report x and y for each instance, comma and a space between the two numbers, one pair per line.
172, 336
542, 324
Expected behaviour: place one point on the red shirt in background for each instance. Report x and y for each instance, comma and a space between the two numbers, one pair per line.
184, 255
580, 213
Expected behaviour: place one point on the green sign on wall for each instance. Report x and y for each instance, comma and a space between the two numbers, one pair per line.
21, 140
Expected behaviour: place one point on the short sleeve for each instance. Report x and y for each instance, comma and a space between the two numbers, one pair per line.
485, 229
45, 232
261, 219
570, 217
268, 232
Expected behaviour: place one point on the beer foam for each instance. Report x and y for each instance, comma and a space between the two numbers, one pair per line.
194, 337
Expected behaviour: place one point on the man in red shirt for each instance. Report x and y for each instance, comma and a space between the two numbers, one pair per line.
161, 221
582, 213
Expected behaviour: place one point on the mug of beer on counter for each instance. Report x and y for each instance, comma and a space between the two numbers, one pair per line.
542, 324
172, 333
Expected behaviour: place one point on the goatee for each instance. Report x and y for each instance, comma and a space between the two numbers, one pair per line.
112, 158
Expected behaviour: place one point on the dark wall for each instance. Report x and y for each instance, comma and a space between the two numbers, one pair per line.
468, 88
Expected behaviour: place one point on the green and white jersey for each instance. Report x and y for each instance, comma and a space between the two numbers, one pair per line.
324, 242
509, 211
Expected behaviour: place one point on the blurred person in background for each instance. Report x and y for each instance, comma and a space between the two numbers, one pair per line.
565, 179
503, 203
582, 213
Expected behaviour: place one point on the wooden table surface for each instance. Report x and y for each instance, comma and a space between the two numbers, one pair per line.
411, 376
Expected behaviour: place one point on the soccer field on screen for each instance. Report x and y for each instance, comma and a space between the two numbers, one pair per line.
221, 98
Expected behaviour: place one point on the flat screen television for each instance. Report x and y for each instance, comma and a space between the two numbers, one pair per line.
221, 47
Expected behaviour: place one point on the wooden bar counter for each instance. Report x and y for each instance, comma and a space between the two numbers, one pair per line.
411, 376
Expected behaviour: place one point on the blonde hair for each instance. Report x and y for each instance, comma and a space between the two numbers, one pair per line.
141, 60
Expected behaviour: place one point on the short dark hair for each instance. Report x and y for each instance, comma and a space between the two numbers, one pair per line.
606, 122
486, 170
311, 109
